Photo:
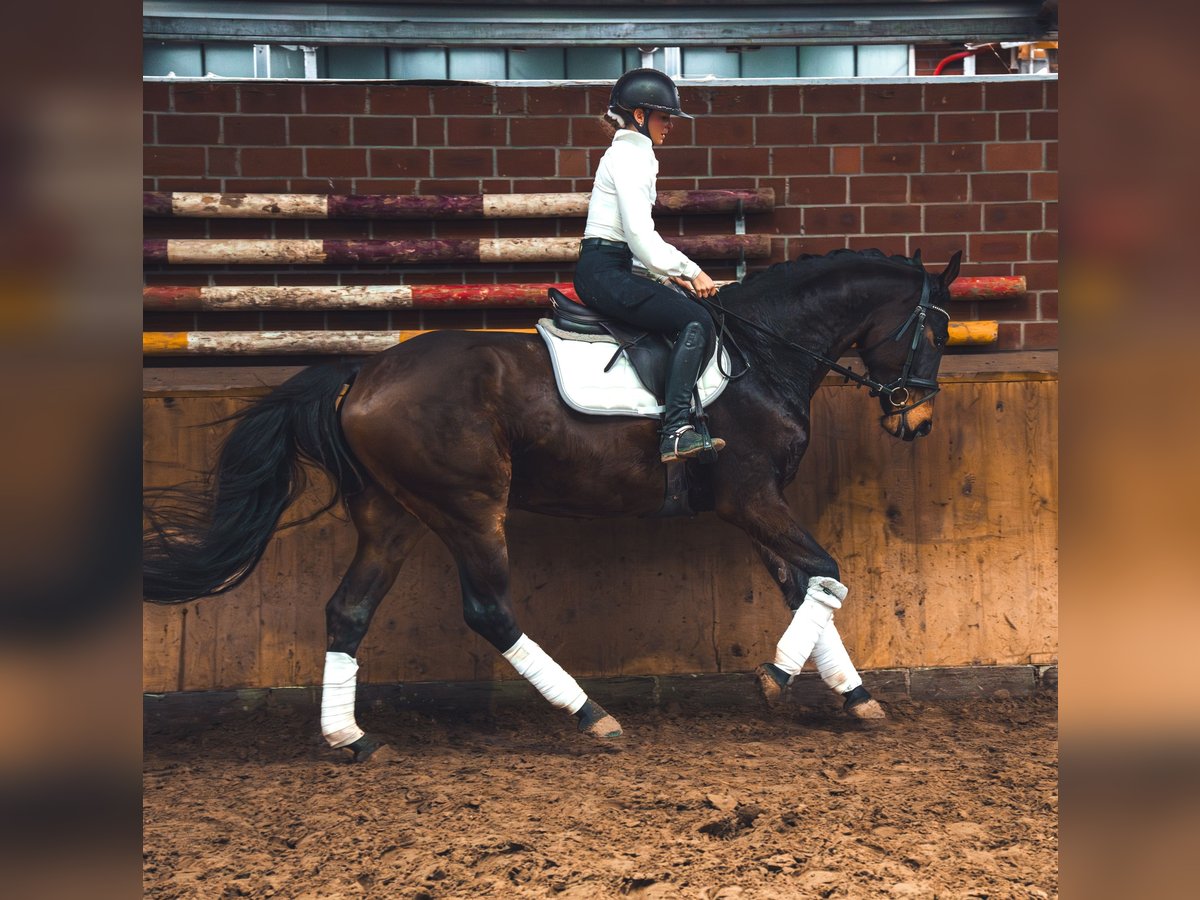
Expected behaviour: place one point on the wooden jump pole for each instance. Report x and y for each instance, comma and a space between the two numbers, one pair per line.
430, 206
384, 252
188, 298
271, 343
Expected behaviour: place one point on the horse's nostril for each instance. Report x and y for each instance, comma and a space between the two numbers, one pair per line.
924, 428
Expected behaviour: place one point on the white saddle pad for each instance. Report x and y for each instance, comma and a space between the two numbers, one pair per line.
579, 361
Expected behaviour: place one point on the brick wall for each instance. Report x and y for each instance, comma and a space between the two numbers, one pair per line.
940, 167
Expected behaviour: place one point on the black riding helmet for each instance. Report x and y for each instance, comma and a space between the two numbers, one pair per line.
646, 89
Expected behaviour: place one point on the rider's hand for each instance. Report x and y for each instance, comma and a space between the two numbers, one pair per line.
703, 286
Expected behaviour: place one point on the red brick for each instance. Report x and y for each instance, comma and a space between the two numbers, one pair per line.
272, 161
783, 220
739, 100
1008, 336
896, 219
1043, 126
737, 131
156, 96
1048, 306
223, 161
266, 131
188, 129
960, 128
1052, 155
1015, 94
785, 99
148, 129
884, 243
818, 246
488, 131
892, 97
814, 191
343, 163
879, 189
1016, 309
1039, 276
346, 99
384, 131
510, 101
526, 163
471, 100
999, 247
173, 161
741, 161
936, 248
845, 129
1052, 217
1005, 187
1043, 245
431, 132
388, 162
573, 163
456, 163
901, 129
942, 97
588, 131
399, 100
263, 186
1012, 217
1014, 126
953, 157
832, 220
1040, 336
272, 98
833, 98
695, 100
958, 217
549, 132
557, 101
205, 97
786, 130
682, 161
847, 160
319, 130
1013, 157
1052, 95
892, 158
938, 188
800, 161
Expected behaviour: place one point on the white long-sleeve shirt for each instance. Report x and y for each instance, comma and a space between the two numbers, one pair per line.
622, 198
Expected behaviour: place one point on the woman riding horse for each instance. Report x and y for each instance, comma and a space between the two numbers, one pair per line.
619, 229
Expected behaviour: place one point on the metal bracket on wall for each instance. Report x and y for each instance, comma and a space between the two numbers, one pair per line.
739, 227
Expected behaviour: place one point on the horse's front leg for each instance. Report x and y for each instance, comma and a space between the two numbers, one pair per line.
810, 580
828, 652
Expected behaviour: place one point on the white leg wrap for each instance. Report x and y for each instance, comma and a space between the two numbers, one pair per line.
545, 674
337, 700
823, 596
833, 662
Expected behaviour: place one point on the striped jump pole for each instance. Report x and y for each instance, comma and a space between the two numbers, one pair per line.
386, 252
272, 343
430, 206
188, 298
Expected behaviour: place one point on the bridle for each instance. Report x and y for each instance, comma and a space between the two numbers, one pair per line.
897, 390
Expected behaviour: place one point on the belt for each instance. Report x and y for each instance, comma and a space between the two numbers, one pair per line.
603, 242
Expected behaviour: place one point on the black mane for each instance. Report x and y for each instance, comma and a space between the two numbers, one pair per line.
773, 361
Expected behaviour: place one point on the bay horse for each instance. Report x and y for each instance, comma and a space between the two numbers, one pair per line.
450, 430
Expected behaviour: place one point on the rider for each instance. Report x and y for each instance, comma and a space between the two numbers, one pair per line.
619, 229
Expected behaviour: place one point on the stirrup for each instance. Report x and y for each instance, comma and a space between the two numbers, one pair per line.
670, 449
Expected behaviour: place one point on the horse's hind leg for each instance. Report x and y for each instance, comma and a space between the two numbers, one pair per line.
828, 652
475, 536
386, 535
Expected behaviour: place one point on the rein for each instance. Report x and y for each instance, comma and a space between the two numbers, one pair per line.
897, 388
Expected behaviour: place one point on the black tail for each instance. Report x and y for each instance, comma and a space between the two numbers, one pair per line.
207, 541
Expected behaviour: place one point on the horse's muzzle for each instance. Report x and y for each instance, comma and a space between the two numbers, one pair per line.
908, 423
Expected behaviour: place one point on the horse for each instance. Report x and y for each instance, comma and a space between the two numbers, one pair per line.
450, 430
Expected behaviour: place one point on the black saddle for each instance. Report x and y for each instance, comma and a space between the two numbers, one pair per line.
647, 352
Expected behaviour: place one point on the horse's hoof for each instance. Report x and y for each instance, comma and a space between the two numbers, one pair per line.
772, 681
370, 748
595, 721
862, 706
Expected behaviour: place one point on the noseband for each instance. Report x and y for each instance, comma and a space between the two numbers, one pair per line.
896, 390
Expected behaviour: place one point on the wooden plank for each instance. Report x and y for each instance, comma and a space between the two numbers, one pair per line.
973, 682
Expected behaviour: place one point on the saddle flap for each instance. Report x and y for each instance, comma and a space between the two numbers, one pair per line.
572, 316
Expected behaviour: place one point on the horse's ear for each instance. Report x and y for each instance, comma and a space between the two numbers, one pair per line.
916, 257
951, 271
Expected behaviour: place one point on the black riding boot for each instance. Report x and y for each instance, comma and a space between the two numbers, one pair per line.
680, 439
